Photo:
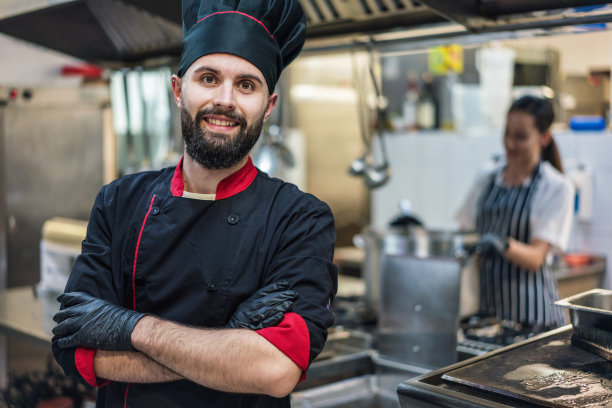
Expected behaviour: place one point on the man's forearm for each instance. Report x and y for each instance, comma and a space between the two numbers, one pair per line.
131, 366
232, 360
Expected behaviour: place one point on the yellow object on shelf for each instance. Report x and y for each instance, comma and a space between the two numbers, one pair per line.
64, 231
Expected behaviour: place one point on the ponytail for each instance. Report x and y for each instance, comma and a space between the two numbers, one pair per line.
551, 154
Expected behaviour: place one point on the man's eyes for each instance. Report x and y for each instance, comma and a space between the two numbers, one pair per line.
247, 86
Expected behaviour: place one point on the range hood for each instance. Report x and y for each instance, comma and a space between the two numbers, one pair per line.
106, 32
115, 33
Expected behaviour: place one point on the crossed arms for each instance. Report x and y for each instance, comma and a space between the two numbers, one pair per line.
133, 347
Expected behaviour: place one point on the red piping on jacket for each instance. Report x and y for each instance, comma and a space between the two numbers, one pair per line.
137, 246
238, 12
127, 387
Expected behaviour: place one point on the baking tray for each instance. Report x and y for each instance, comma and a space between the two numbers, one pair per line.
546, 373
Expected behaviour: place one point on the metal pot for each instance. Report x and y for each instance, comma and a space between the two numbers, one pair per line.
410, 241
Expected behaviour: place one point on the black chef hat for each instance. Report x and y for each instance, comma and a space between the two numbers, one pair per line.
267, 33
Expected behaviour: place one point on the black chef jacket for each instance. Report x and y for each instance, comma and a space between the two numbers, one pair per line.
194, 261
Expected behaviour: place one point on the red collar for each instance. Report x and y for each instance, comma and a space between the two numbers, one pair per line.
229, 186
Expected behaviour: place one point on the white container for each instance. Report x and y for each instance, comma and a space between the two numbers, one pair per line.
59, 247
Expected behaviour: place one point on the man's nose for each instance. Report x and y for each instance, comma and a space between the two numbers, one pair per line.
224, 96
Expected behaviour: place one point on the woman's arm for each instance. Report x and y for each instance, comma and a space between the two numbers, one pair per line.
530, 256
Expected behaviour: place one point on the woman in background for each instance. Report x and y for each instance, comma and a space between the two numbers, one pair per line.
522, 210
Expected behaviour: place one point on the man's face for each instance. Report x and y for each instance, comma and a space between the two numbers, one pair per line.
224, 102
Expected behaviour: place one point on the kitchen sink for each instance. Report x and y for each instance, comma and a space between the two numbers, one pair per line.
359, 392
377, 388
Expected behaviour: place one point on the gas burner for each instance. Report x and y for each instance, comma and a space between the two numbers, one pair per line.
478, 335
495, 331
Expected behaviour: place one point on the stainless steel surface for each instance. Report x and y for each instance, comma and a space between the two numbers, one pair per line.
591, 310
416, 242
3, 340
358, 392
120, 32
346, 354
3, 248
419, 310
595, 305
428, 390
373, 389
27, 316
491, 14
547, 373
595, 266
591, 316
54, 167
103, 31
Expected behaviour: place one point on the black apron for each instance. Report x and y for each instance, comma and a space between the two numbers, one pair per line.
508, 291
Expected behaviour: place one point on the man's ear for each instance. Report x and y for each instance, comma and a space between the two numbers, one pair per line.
272, 100
176, 90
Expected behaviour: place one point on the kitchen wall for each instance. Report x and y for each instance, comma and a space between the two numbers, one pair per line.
435, 171
24, 63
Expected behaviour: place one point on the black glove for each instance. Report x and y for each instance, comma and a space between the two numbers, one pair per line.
491, 243
265, 308
87, 321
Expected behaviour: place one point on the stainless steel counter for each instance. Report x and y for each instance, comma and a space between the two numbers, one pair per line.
542, 371
27, 316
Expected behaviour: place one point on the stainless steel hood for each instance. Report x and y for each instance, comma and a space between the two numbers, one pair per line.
102, 31
129, 32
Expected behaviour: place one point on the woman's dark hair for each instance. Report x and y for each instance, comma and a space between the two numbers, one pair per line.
543, 116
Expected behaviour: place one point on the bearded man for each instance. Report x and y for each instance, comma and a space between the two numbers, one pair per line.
208, 284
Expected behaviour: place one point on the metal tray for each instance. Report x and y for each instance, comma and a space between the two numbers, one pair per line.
591, 315
590, 309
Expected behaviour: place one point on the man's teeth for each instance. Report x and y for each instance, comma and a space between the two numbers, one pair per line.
218, 122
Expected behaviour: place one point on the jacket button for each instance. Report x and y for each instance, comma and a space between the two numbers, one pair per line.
154, 210
212, 287
233, 219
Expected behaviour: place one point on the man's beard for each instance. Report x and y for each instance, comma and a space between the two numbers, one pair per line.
218, 151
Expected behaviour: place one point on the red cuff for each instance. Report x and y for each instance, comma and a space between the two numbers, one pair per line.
84, 361
291, 337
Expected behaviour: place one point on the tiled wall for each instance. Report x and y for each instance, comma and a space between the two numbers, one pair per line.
595, 151
435, 171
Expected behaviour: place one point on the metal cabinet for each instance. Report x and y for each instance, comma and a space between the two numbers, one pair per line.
52, 165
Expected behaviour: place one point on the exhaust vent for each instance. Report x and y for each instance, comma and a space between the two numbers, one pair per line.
328, 11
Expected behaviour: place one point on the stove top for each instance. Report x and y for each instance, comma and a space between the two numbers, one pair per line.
478, 335
544, 371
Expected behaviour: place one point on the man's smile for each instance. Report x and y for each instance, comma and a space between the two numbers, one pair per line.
220, 123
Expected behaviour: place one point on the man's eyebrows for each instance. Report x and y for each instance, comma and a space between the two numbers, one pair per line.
216, 72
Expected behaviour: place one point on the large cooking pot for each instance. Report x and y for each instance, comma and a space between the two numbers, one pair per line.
412, 240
